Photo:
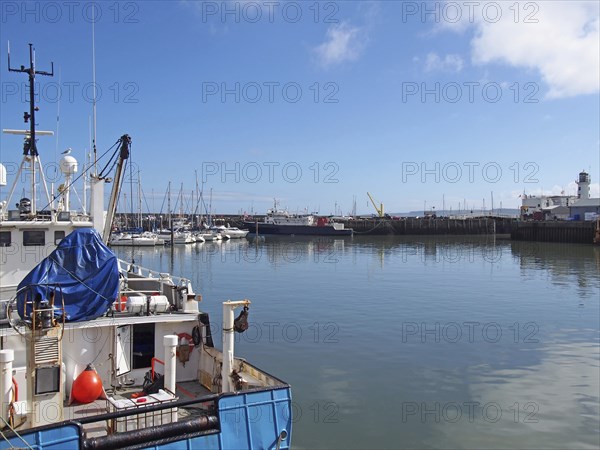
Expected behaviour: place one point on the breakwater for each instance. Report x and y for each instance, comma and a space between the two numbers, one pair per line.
430, 226
572, 232
543, 231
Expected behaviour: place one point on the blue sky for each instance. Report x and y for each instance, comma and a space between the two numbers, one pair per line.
315, 103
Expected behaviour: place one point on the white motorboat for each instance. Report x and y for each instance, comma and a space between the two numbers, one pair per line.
228, 232
208, 236
146, 239
236, 233
179, 237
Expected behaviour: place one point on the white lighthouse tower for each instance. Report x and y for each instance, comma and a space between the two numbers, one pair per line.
583, 189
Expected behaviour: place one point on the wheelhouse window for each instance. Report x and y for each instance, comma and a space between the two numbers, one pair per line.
58, 236
5, 239
34, 237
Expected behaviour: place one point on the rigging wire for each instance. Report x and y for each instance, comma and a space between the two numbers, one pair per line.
85, 171
16, 433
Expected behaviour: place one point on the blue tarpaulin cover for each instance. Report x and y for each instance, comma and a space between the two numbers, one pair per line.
82, 270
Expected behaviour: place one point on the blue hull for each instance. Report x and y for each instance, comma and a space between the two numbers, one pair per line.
254, 419
298, 230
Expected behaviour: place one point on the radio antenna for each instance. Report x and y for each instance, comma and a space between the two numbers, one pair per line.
30, 147
95, 95
30, 152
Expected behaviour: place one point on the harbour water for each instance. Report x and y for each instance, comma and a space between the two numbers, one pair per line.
414, 342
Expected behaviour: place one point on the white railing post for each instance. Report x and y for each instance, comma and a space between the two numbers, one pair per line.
170, 343
6, 385
228, 342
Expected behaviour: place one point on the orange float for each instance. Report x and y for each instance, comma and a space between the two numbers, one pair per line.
87, 387
121, 303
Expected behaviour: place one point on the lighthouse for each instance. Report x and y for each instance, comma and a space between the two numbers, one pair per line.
583, 189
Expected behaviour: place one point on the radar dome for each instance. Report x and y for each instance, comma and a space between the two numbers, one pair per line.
68, 165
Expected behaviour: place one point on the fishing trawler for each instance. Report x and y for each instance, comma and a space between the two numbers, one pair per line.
99, 353
281, 222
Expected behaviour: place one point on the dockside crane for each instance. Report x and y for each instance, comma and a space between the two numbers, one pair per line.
380, 210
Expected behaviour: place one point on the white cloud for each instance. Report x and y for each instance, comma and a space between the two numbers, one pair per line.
561, 41
449, 63
560, 387
343, 43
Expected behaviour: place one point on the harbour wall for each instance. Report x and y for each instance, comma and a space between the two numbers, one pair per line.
573, 232
430, 226
543, 231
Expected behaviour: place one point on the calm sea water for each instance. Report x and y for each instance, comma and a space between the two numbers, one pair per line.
415, 342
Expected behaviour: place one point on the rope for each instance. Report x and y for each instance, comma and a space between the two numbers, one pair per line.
380, 223
83, 173
16, 433
6, 439
101, 174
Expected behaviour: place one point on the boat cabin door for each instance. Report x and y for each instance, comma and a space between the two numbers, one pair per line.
122, 351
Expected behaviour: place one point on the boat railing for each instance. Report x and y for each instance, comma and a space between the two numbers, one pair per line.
126, 267
128, 423
38, 313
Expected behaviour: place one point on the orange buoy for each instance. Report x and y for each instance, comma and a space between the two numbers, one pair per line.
121, 303
87, 387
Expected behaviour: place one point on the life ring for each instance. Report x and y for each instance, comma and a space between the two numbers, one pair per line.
188, 338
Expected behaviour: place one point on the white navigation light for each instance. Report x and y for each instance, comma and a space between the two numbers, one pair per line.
2, 175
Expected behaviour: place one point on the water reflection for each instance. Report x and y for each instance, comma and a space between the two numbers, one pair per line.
553, 403
564, 265
415, 323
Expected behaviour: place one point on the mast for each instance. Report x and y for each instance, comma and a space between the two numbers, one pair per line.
193, 211
140, 198
170, 214
95, 95
30, 148
210, 209
116, 188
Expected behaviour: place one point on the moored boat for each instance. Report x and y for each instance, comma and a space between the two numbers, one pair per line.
177, 237
281, 222
145, 239
98, 352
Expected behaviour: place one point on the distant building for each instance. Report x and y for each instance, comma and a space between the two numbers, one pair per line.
586, 209
537, 207
556, 212
561, 207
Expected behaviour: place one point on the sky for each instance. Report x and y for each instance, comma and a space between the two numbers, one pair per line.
423, 104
